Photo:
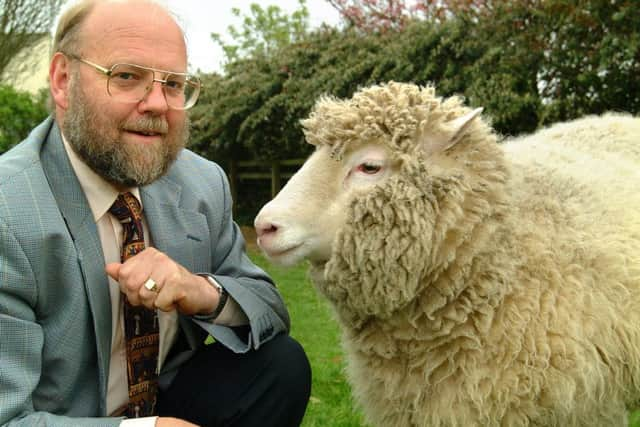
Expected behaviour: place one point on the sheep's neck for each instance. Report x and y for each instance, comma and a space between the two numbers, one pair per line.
447, 310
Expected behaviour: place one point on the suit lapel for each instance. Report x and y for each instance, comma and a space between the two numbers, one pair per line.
179, 232
81, 225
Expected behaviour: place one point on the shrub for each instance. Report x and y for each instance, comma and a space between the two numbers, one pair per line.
19, 113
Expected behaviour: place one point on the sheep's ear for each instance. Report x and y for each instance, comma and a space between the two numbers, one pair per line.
454, 131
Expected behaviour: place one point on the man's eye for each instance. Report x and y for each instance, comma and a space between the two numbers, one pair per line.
126, 76
369, 168
175, 84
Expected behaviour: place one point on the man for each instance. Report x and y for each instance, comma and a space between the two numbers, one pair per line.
118, 254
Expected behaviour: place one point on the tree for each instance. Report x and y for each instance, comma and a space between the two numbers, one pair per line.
22, 24
527, 62
263, 31
254, 110
384, 15
591, 58
236, 102
374, 15
19, 113
570, 58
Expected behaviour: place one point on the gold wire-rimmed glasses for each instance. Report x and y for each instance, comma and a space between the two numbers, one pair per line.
130, 83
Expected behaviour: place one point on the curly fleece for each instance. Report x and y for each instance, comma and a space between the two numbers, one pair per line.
493, 284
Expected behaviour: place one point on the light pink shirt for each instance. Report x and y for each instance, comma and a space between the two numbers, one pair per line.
101, 195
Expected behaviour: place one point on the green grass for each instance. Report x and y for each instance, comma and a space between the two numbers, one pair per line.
313, 325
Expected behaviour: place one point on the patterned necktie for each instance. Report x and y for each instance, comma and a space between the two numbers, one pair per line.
140, 324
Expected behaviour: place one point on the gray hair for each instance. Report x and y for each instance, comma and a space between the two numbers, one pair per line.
67, 38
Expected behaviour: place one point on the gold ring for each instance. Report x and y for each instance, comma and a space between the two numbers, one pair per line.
151, 285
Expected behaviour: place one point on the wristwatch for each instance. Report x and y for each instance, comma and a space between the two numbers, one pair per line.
221, 301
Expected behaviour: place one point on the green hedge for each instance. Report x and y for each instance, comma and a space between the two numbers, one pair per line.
20, 112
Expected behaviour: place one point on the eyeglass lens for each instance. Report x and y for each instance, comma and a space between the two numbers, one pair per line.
130, 83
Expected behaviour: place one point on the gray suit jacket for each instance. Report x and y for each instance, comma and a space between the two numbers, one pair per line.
55, 312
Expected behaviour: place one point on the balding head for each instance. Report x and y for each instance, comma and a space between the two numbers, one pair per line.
76, 24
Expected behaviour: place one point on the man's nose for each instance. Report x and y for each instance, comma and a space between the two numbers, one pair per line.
155, 100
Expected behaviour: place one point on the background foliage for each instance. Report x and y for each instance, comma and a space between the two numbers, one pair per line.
19, 113
528, 62
263, 31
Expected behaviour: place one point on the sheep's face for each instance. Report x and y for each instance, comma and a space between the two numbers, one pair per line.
366, 208
302, 221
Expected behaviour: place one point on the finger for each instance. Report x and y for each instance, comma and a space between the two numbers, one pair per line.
168, 298
134, 272
148, 297
113, 270
162, 276
143, 276
133, 276
172, 290
131, 280
151, 285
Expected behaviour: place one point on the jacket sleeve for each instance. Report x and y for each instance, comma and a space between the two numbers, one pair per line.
247, 284
21, 344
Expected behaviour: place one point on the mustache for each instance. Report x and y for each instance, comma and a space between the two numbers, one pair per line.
146, 124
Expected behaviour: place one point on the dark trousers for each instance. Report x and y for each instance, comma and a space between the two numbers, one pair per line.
265, 387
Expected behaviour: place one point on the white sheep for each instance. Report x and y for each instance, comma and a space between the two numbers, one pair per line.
477, 283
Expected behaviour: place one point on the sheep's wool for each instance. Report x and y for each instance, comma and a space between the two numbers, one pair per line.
492, 284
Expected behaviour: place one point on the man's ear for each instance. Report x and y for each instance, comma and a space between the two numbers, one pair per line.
453, 131
59, 76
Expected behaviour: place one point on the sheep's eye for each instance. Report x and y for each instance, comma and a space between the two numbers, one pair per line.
369, 168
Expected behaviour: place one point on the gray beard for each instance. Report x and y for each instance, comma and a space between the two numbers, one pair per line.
124, 165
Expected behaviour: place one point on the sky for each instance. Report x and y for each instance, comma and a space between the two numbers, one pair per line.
200, 18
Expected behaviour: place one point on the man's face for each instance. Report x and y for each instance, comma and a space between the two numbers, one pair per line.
128, 144
99, 137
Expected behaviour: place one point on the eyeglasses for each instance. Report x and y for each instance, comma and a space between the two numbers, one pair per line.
130, 83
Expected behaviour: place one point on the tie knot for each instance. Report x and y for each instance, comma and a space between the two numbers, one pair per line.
126, 208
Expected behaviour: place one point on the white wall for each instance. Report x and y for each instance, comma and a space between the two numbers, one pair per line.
29, 70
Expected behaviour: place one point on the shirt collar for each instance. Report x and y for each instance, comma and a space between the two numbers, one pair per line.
99, 193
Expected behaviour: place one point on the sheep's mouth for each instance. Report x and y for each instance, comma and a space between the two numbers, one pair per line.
286, 256
283, 252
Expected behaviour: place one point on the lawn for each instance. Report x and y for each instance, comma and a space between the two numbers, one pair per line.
313, 325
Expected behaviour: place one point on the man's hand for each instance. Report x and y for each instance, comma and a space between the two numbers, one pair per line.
177, 288
173, 422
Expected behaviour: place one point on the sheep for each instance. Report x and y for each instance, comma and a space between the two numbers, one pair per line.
477, 282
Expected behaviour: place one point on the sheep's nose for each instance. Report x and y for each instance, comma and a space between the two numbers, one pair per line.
264, 227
